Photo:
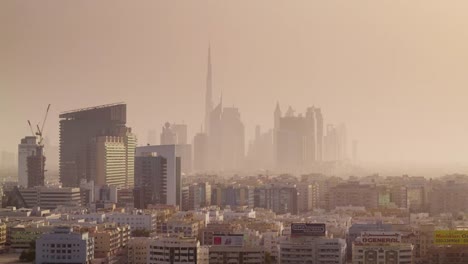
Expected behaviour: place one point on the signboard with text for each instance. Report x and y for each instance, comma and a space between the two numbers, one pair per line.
308, 229
380, 237
451, 237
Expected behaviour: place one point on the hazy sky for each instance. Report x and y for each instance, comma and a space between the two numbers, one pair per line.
396, 72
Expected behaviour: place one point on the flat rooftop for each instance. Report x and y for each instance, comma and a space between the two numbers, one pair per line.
71, 113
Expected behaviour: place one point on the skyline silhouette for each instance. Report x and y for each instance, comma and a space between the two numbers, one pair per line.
397, 83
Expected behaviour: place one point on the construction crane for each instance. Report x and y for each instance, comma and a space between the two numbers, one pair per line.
30, 127
40, 130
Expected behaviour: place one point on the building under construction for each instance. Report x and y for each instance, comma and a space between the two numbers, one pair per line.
36, 167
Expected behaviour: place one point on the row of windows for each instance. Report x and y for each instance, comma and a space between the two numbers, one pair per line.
60, 245
60, 251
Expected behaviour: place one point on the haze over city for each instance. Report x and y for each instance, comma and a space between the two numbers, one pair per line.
392, 71
233, 132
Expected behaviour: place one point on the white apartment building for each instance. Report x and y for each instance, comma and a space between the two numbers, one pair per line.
177, 250
64, 246
381, 247
271, 243
236, 255
317, 250
51, 197
136, 220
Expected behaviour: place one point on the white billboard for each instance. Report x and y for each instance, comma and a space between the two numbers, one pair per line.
229, 240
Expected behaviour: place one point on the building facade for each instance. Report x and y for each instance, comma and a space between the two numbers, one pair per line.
169, 250
150, 180
26, 148
64, 246
87, 140
50, 197
174, 158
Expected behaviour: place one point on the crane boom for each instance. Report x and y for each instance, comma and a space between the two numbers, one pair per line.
45, 118
30, 127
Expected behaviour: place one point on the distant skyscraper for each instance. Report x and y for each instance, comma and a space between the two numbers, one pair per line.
224, 130
319, 128
200, 152
175, 134
297, 139
209, 93
310, 140
26, 148
181, 133
215, 137
355, 151
233, 141
335, 143
168, 136
261, 151
331, 146
81, 133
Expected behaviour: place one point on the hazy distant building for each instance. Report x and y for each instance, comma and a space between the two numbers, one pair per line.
233, 141
451, 197
168, 136
308, 197
176, 134
335, 143
354, 151
26, 148
297, 139
261, 151
173, 155
84, 136
209, 93
354, 194
200, 152
280, 199
225, 132
150, 180
319, 131
226, 139
180, 131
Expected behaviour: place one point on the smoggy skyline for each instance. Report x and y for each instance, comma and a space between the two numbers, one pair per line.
393, 71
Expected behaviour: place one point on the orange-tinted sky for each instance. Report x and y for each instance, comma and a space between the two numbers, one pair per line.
395, 71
